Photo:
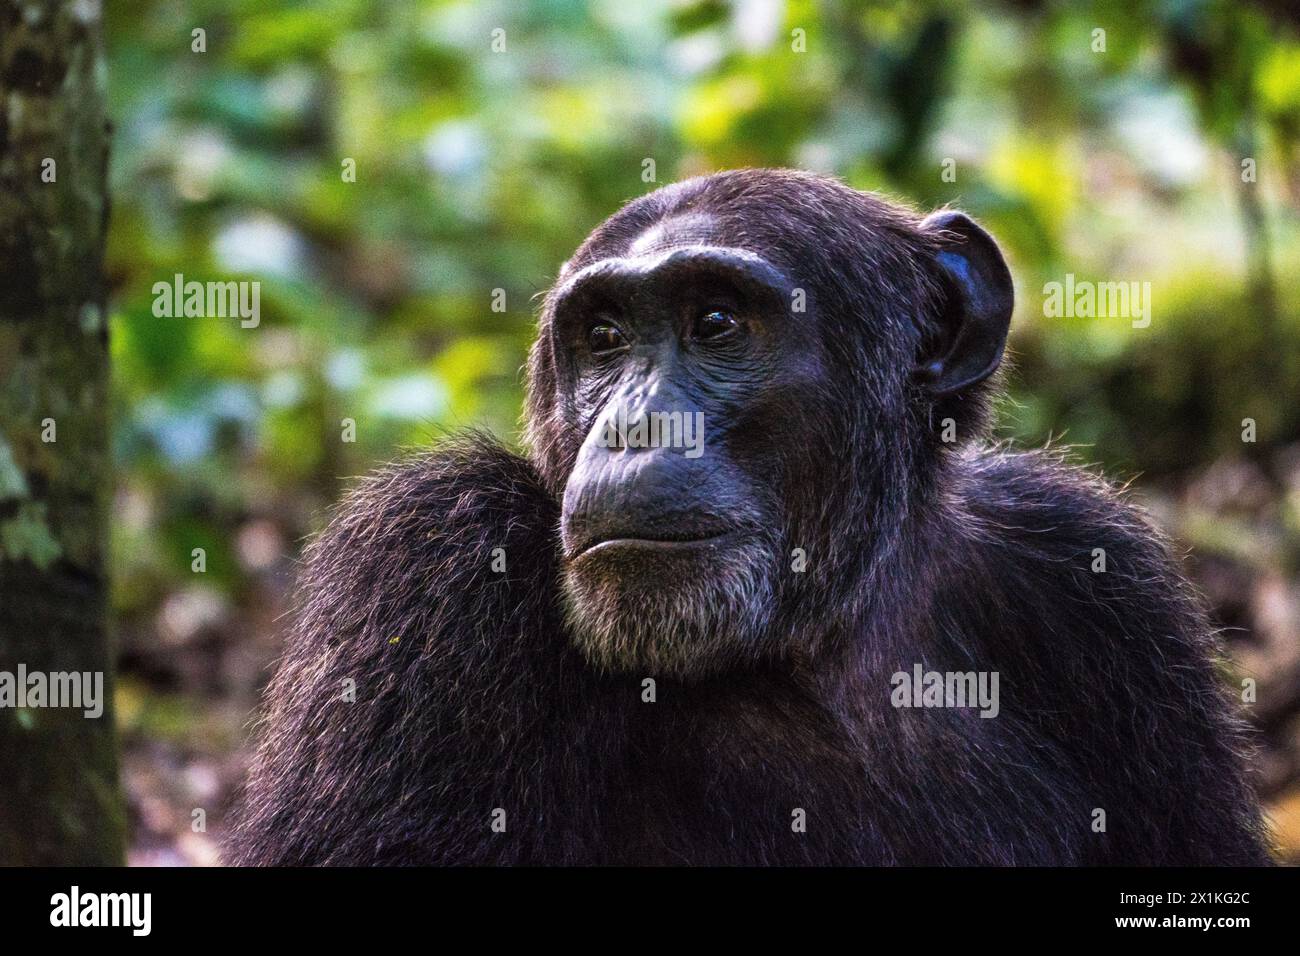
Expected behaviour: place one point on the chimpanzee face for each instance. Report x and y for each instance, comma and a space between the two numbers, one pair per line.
695, 378
671, 358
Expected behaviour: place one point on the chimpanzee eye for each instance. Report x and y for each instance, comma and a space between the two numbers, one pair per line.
604, 337
715, 324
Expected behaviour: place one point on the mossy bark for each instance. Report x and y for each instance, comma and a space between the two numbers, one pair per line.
60, 801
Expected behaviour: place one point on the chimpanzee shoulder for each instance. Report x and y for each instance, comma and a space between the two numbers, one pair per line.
410, 692
1104, 648
1046, 521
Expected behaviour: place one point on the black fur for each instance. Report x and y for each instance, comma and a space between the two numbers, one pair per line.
966, 559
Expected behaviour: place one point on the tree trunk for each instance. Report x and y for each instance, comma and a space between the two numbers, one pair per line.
59, 796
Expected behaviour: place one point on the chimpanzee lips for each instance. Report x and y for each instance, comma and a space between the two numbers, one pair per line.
652, 542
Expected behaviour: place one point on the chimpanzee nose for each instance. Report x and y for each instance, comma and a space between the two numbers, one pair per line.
641, 473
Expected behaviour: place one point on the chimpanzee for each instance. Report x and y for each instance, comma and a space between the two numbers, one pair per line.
734, 604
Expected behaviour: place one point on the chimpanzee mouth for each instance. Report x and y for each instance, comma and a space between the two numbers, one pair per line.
657, 543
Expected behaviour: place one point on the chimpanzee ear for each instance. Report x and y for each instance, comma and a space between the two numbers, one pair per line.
967, 346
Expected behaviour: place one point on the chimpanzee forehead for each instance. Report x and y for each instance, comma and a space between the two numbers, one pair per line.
687, 229
623, 238
620, 275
